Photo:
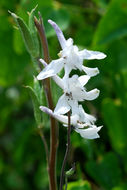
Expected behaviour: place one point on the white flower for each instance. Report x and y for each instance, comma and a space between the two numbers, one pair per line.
74, 92
85, 128
73, 87
70, 58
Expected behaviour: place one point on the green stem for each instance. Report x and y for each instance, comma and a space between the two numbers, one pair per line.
66, 181
45, 146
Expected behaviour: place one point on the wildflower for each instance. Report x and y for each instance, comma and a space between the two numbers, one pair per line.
70, 58
74, 92
82, 123
73, 87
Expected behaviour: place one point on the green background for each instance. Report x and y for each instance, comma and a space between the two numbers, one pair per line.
101, 164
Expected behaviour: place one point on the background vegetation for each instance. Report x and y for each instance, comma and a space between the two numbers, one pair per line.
100, 164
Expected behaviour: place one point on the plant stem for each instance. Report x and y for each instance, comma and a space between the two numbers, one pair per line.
41, 30
54, 128
66, 153
45, 146
66, 181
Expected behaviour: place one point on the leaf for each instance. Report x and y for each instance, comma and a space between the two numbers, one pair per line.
18, 44
39, 91
26, 35
106, 172
33, 33
36, 105
13, 65
79, 185
118, 188
113, 119
113, 24
123, 186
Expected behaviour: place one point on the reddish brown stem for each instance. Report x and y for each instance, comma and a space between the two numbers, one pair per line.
53, 132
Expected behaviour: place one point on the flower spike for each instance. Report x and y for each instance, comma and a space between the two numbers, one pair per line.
74, 91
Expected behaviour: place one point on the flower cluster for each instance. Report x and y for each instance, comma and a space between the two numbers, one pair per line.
73, 87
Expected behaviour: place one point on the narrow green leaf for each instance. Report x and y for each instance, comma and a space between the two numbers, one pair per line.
36, 105
33, 33
26, 35
39, 91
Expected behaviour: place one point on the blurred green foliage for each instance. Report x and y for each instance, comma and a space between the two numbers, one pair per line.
100, 164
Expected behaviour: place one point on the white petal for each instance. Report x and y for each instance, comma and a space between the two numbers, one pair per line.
90, 118
47, 110
90, 133
86, 54
56, 78
59, 34
61, 118
50, 70
62, 106
90, 71
84, 117
58, 81
91, 95
74, 106
69, 42
42, 61
67, 71
83, 79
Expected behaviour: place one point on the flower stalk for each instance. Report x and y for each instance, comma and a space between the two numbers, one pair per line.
54, 128
45, 145
62, 176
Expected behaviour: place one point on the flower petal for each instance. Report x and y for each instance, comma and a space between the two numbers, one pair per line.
52, 69
62, 106
90, 133
74, 106
90, 118
69, 42
87, 54
59, 34
90, 71
91, 95
42, 61
83, 79
86, 118
67, 69
62, 118
56, 78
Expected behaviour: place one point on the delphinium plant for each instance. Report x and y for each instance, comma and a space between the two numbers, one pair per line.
68, 110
